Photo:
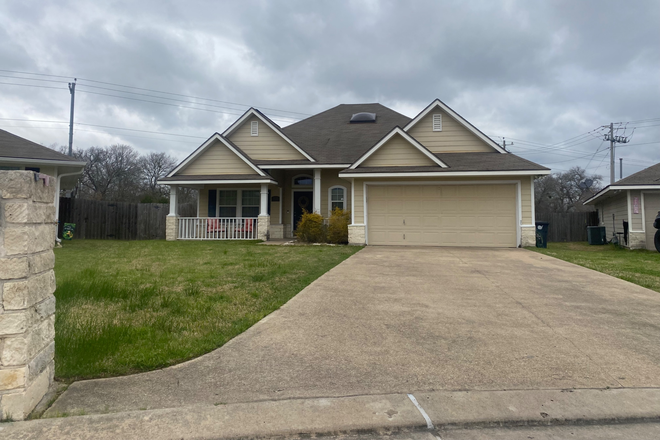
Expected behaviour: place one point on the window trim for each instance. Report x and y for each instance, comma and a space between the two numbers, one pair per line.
239, 201
293, 181
345, 201
258, 205
254, 128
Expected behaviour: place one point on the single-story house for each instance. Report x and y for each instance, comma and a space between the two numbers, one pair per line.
433, 180
635, 201
17, 153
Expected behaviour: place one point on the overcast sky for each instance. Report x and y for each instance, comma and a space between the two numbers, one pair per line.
538, 73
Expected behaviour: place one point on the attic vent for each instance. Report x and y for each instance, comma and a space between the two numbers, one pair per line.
254, 128
437, 122
363, 117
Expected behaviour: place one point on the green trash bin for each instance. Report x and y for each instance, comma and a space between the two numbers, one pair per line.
542, 234
596, 235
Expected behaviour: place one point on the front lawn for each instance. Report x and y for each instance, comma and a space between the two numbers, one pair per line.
639, 266
130, 306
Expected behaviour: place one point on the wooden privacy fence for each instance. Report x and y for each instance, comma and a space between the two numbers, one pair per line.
96, 219
568, 226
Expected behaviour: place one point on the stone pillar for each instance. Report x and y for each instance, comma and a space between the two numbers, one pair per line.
356, 234
317, 190
527, 236
263, 224
172, 221
27, 283
637, 240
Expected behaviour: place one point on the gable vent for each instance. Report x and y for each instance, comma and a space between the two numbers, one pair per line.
437, 122
254, 128
363, 117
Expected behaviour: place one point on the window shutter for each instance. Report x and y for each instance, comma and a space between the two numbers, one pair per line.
254, 128
437, 122
212, 202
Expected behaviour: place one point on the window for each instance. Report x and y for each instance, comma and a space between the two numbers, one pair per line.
35, 169
254, 128
250, 203
337, 198
437, 122
303, 181
227, 203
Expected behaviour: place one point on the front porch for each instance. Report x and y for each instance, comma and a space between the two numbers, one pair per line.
247, 209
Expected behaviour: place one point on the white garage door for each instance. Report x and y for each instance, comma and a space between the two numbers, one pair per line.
442, 215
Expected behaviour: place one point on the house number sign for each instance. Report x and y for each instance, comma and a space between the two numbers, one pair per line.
635, 205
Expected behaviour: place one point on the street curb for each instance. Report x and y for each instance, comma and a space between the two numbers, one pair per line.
357, 414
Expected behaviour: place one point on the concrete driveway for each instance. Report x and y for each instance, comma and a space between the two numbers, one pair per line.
400, 320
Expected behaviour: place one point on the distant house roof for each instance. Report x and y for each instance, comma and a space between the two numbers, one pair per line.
648, 178
16, 147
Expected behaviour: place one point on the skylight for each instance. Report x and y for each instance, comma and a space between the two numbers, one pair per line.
363, 117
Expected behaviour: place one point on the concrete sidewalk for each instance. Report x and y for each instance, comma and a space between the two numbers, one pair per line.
357, 414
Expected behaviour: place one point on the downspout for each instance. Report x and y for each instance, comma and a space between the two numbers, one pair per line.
57, 201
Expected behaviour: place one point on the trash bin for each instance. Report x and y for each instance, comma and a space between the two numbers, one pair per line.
542, 234
596, 235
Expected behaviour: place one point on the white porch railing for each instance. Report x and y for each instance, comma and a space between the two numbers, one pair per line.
230, 228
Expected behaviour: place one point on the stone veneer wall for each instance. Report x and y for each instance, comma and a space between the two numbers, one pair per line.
528, 237
27, 283
171, 227
356, 235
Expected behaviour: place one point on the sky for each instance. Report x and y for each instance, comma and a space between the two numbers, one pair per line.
549, 76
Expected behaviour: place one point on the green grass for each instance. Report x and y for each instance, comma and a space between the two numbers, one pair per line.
131, 306
638, 266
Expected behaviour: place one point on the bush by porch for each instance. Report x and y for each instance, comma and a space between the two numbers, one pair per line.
125, 307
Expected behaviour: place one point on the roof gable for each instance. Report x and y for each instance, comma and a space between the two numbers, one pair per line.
437, 139
217, 156
398, 148
270, 143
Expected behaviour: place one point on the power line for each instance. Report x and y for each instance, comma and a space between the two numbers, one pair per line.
147, 90
32, 85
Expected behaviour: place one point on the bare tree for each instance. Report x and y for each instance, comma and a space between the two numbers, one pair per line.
153, 166
112, 173
565, 192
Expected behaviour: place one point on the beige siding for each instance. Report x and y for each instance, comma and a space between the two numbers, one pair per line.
330, 178
397, 152
358, 214
651, 208
267, 146
636, 220
51, 171
454, 137
217, 159
274, 206
618, 206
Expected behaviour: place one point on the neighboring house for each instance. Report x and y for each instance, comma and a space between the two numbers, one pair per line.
634, 200
432, 180
17, 153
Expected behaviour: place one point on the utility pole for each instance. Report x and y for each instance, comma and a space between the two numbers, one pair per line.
504, 143
620, 168
613, 140
72, 91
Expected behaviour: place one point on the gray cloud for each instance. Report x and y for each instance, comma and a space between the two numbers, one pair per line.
540, 72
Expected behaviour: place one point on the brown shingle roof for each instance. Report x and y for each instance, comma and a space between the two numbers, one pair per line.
463, 162
648, 176
329, 137
18, 147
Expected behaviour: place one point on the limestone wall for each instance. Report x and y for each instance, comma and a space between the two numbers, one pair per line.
27, 283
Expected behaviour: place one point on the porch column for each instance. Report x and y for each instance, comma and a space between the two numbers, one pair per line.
172, 221
263, 224
317, 190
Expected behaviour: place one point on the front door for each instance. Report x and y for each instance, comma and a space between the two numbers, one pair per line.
302, 200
